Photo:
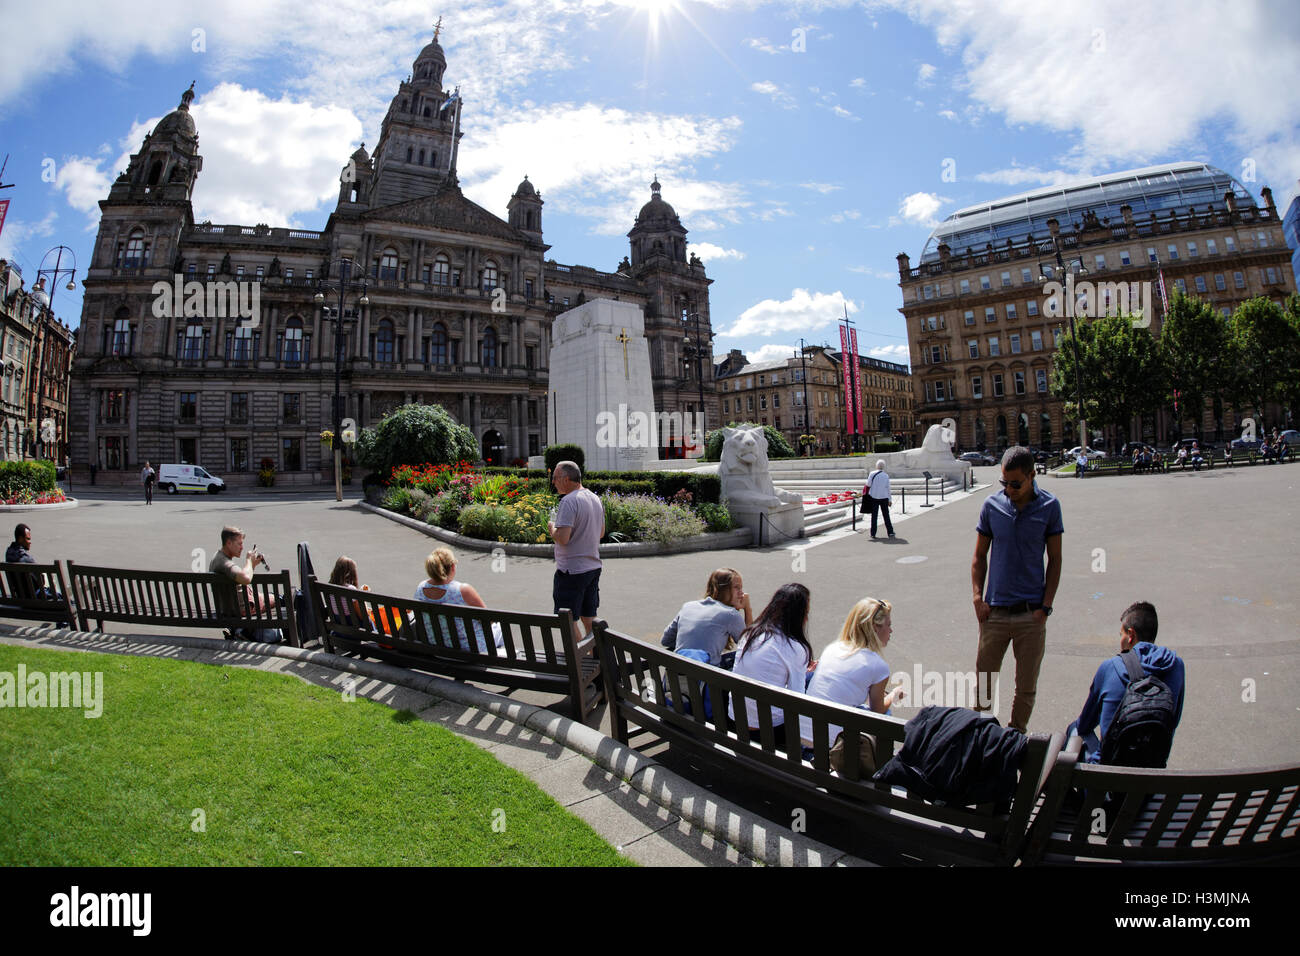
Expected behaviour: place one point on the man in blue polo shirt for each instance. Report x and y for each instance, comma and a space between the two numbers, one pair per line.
1016, 526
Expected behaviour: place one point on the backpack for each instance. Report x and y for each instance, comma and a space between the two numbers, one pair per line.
1142, 730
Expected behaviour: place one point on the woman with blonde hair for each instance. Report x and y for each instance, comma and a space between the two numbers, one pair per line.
851, 670
709, 624
442, 588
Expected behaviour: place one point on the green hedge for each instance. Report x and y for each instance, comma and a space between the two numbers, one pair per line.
619, 486
777, 446
558, 453
704, 488
33, 476
888, 446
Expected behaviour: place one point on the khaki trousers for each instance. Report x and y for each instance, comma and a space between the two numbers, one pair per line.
1027, 639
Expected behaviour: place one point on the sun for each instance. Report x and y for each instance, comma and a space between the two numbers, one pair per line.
655, 10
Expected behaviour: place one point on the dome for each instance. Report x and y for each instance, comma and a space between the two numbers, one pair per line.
526, 190
432, 51
656, 208
361, 156
179, 119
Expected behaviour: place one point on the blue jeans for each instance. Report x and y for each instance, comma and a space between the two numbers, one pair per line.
1091, 752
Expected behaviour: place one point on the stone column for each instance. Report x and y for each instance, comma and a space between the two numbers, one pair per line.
411, 325
133, 448
464, 408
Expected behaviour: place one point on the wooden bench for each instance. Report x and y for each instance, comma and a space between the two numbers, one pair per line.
35, 592
636, 675
182, 599
1166, 816
538, 650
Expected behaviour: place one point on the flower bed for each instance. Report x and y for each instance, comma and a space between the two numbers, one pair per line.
27, 497
516, 508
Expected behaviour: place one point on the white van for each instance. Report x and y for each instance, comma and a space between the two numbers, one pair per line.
174, 478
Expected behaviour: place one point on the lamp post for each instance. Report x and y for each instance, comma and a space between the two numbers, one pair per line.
46, 301
1078, 269
696, 346
344, 285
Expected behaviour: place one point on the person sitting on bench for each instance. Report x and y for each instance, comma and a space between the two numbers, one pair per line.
712, 623
239, 599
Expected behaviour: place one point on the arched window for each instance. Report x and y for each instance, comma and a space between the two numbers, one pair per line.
134, 251
293, 342
1022, 429
489, 274
1000, 431
155, 172
489, 348
441, 271
438, 345
408, 154
388, 264
433, 158
384, 342
422, 151
980, 436
1045, 430
121, 340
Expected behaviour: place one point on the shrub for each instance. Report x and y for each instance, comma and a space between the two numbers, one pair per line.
266, 473
644, 518
446, 511
777, 446
398, 499
715, 517
489, 522
558, 453
414, 435
599, 486
421, 505
888, 446
498, 489
19, 476
531, 514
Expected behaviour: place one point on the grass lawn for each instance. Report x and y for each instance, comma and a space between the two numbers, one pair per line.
285, 773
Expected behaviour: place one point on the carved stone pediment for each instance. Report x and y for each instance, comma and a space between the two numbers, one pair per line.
115, 365
447, 209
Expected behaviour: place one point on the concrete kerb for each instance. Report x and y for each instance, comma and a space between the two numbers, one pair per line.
713, 541
753, 836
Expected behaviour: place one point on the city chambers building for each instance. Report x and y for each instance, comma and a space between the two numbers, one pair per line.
978, 322
457, 309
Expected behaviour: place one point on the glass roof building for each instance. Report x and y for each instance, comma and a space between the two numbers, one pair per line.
1147, 190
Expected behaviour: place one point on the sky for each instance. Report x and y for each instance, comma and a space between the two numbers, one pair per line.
804, 145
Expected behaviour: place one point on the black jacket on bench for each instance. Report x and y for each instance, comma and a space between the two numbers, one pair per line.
954, 756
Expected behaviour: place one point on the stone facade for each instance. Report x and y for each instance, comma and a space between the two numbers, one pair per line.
459, 307
37, 349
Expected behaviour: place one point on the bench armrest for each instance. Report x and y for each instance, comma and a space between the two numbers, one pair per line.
1074, 746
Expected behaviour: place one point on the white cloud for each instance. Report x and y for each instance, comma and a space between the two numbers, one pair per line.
16, 232
711, 253
804, 311
771, 353
919, 208
763, 45
1018, 175
891, 276
83, 184
843, 113
889, 352
948, 115
776, 209
858, 83
846, 214
924, 73
779, 96
822, 188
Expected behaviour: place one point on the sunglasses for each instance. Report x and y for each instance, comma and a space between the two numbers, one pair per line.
1013, 485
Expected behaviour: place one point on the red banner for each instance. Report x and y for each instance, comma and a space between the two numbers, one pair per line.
4, 208
852, 423
857, 384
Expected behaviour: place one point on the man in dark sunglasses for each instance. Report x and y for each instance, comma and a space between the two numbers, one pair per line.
1016, 526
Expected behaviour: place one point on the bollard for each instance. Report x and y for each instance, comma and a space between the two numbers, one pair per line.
927, 492
942, 482
904, 501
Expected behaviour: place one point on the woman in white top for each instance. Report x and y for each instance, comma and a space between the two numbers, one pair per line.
775, 650
442, 588
877, 492
851, 670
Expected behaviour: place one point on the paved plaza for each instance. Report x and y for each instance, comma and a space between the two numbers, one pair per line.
1214, 551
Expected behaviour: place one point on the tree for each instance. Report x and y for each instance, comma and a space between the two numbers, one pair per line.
1120, 372
415, 435
1193, 340
1264, 348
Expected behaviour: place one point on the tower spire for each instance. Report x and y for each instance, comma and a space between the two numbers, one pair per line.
437, 28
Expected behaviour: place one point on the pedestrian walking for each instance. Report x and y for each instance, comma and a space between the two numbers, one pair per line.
147, 478
876, 497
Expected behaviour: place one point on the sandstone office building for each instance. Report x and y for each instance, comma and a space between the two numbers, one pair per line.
978, 326
460, 308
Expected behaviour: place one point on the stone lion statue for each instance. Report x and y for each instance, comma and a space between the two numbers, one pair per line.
934, 440
746, 477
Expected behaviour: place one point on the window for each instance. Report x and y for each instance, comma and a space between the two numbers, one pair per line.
388, 264
1015, 343
726, 405
749, 402
1124, 258
1261, 240
1036, 340
187, 451
994, 349
974, 346
1181, 285
528, 288
292, 408
121, 344
989, 314
426, 274
242, 344
1271, 275
1200, 284
490, 275
977, 387
239, 272
1191, 250
1040, 375
112, 406
1239, 280
970, 317
288, 274
762, 403
984, 283
1026, 276
1211, 248
1173, 252
1225, 312
212, 268
1011, 312
310, 274
441, 271
530, 356
1219, 284
291, 459
192, 350
1151, 254
1056, 337
936, 355
965, 286
932, 323
997, 385
1006, 280
292, 348
1229, 244
938, 392
135, 247
489, 347
929, 292
384, 342
1100, 262
929, 392
239, 454
776, 399
239, 408
762, 380
189, 408
1020, 383
1031, 307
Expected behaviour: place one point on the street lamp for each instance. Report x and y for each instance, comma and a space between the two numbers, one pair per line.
344, 285
696, 346
1079, 269
46, 301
